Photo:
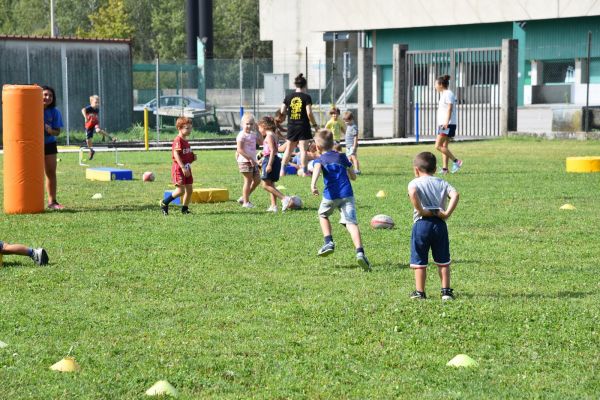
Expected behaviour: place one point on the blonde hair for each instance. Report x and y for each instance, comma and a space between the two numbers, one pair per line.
94, 97
324, 139
247, 117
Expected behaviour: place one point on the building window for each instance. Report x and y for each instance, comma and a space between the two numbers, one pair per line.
558, 71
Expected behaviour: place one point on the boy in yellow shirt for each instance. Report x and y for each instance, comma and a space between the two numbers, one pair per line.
336, 125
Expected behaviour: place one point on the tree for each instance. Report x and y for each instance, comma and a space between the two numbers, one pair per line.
236, 30
168, 24
71, 16
140, 16
109, 21
26, 17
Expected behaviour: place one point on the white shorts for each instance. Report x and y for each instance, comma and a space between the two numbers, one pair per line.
350, 150
346, 207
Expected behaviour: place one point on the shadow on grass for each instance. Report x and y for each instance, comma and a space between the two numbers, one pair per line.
18, 264
385, 266
536, 295
67, 210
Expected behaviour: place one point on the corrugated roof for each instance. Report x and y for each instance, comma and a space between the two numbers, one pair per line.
62, 39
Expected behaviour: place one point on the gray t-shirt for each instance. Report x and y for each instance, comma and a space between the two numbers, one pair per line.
351, 133
432, 191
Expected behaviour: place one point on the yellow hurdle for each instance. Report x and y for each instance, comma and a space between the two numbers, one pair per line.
210, 195
583, 164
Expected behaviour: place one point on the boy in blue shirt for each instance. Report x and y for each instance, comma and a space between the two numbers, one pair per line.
337, 193
429, 196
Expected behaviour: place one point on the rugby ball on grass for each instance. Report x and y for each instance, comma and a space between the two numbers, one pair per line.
382, 221
148, 176
296, 203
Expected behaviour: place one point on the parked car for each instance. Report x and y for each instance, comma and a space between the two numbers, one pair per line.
174, 102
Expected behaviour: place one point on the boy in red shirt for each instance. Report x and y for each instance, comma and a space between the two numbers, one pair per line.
181, 170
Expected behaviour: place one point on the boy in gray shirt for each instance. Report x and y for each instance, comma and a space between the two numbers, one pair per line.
428, 195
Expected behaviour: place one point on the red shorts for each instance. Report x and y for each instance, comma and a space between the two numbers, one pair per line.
178, 178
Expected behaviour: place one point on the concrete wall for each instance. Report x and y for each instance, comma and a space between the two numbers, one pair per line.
298, 23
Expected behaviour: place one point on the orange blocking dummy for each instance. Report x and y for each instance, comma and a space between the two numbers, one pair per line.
23, 140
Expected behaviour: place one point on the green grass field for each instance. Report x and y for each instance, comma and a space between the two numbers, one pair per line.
233, 303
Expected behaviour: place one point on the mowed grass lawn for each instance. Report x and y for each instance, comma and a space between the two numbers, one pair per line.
234, 303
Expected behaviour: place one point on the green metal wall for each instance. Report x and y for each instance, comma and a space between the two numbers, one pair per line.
555, 39
433, 38
565, 38
440, 38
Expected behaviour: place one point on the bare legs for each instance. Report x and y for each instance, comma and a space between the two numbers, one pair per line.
50, 170
303, 144
251, 182
352, 229
15, 249
421, 277
441, 144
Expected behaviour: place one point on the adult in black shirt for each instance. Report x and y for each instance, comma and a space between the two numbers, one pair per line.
298, 106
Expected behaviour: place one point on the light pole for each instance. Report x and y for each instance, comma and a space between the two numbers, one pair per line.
52, 30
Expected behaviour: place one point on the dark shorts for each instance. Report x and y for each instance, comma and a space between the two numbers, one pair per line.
297, 133
272, 176
450, 132
50, 148
429, 233
89, 133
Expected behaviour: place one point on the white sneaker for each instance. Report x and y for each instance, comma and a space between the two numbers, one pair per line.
248, 205
272, 209
39, 256
241, 200
285, 203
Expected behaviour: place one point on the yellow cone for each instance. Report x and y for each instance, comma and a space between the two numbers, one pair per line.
280, 187
67, 364
97, 196
462, 360
380, 195
2, 344
161, 388
567, 207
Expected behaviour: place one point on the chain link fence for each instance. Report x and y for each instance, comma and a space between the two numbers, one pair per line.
225, 88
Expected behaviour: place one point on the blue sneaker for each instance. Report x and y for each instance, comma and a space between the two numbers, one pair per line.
326, 250
456, 166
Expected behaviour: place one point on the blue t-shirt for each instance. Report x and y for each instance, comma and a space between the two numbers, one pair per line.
53, 118
335, 176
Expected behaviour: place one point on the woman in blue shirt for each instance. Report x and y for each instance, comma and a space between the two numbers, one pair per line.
52, 124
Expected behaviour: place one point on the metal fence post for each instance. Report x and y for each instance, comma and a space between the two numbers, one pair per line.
157, 100
365, 91
399, 94
509, 86
587, 81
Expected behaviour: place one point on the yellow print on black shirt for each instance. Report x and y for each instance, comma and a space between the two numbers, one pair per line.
296, 108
